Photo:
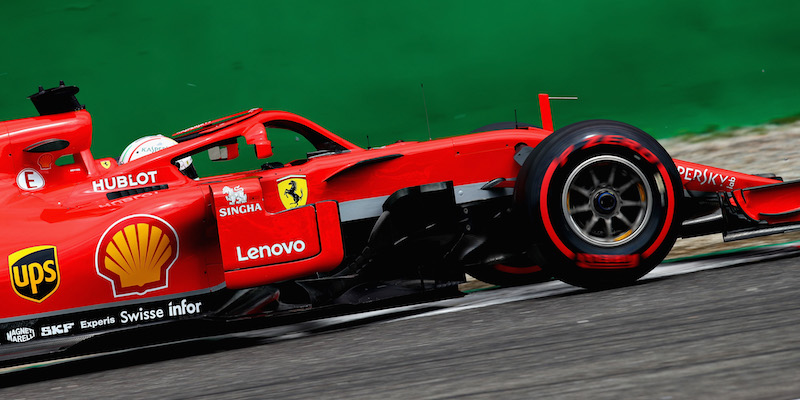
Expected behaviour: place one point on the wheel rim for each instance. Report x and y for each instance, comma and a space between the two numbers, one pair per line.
607, 201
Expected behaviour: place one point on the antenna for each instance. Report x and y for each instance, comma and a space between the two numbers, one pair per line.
368, 143
516, 124
544, 109
425, 104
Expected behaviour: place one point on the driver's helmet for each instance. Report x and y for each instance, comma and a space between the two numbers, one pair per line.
151, 144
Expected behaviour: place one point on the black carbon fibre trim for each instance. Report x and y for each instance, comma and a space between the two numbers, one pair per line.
131, 192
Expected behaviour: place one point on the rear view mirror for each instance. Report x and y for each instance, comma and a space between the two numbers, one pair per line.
224, 152
257, 136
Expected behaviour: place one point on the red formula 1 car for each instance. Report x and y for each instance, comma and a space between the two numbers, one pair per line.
99, 246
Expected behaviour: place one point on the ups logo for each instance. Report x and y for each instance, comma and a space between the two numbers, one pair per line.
34, 272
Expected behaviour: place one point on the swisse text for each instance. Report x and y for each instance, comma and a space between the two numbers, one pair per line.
267, 251
140, 315
124, 181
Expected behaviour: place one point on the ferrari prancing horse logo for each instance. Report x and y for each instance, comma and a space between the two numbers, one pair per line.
293, 191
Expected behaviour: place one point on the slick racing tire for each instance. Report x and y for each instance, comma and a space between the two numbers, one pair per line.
507, 275
602, 200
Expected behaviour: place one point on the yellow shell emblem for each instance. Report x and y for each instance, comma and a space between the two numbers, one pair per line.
136, 253
293, 191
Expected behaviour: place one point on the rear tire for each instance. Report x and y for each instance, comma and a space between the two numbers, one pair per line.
602, 199
507, 275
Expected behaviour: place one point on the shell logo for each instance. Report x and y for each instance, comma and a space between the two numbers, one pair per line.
136, 253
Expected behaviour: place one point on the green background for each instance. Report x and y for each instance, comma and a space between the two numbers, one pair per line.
356, 67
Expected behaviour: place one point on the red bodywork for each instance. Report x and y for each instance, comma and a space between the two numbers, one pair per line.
72, 212
91, 235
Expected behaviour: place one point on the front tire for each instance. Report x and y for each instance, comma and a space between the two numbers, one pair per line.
602, 199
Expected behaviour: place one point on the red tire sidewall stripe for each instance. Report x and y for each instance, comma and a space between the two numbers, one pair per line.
670, 213
548, 226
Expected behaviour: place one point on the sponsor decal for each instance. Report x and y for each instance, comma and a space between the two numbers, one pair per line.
30, 179
45, 161
121, 182
235, 196
149, 146
238, 202
34, 272
242, 209
191, 128
97, 323
704, 177
136, 253
267, 251
293, 191
20, 335
183, 308
58, 329
105, 164
175, 309
140, 315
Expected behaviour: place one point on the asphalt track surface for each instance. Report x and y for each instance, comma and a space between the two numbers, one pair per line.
729, 332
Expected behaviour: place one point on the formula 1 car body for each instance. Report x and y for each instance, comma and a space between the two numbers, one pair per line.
94, 246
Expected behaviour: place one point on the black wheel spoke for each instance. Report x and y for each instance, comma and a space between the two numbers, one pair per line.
609, 229
625, 187
610, 181
589, 225
584, 192
624, 220
595, 181
580, 209
630, 203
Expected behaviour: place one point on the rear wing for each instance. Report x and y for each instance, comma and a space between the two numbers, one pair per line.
34, 144
56, 100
